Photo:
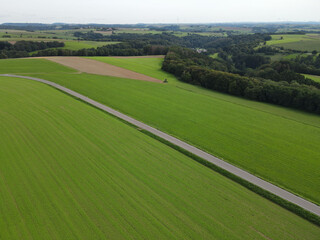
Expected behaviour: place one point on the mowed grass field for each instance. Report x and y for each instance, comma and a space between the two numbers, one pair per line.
70, 171
308, 42
63, 36
34, 65
47, 34
77, 45
275, 143
313, 77
69, 44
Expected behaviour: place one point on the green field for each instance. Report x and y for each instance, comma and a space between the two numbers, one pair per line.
49, 34
137, 31
313, 77
23, 66
69, 44
285, 56
308, 42
70, 171
215, 55
147, 31
77, 45
275, 143
62, 35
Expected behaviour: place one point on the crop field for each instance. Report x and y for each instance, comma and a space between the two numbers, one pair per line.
147, 31
183, 34
61, 34
69, 44
138, 31
313, 77
293, 56
287, 38
275, 143
214, 29
34, 65
308, 42
285, 56
77, 45
110, 181
46, 36
215, 55
95, 67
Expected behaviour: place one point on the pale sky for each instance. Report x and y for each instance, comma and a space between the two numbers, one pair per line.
158, 11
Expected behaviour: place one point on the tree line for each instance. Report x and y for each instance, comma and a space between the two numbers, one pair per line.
24, 48
121, 49
184, 64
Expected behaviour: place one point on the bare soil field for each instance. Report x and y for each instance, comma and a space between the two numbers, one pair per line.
104, 32
149, 56
95, 67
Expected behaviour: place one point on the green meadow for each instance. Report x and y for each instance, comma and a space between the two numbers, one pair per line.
47, 34
62, 36
70, 171
275, 143
308, 42
77, 45
24, 66
147, 31
69, 44
215, 55
313, 77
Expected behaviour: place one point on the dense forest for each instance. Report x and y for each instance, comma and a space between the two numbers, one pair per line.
24, 48
211, 43
195, 68
122, 49
157, 44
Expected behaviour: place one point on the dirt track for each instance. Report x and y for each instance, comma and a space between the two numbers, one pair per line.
95, 67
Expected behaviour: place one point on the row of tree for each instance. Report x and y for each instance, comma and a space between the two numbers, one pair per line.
23, 48
121, 49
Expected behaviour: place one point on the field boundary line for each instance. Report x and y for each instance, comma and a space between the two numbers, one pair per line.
229, 170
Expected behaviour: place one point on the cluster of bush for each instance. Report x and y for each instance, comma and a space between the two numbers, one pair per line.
180, 62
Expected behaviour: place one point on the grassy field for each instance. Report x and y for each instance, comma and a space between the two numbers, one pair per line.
138, 31
69, 44
313, 77
62, 35
293, 56
70, 171
21, 66
275, 143
215, 55
285, 56
308, 42
77, 45
147, 31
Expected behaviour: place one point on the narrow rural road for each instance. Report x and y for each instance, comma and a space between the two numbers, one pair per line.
311, 207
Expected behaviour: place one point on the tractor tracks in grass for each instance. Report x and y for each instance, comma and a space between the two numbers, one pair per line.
225, 166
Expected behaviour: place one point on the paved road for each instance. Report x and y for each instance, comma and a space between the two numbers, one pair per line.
222, 164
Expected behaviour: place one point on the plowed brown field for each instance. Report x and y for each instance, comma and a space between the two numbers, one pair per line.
95, 67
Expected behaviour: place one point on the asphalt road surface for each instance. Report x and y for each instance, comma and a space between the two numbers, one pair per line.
307, 205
